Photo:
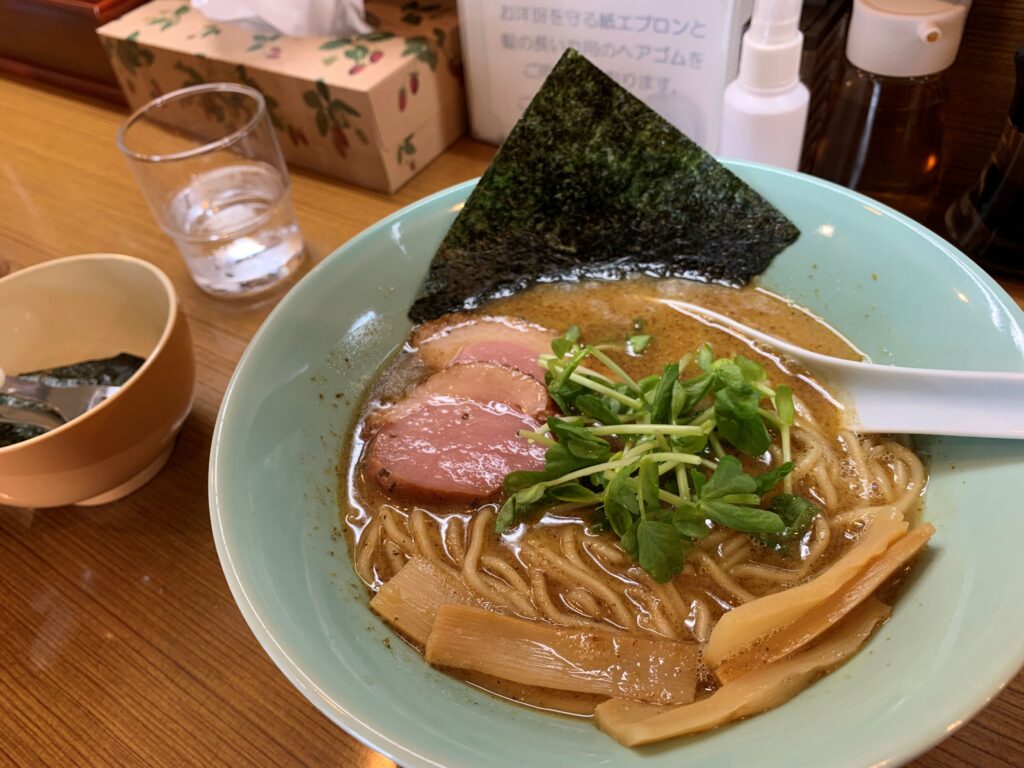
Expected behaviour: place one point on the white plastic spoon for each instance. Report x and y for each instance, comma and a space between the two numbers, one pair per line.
889, 399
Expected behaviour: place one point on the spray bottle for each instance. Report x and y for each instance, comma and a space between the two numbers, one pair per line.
764, 112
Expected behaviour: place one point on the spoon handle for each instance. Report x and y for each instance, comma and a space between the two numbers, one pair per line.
890, 399
931, 402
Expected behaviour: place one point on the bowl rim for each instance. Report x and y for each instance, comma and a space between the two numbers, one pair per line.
911, 747
283, 660
165, 334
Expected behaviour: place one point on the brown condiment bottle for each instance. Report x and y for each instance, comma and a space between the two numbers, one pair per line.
884, 136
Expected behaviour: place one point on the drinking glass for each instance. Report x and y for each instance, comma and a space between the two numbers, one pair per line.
210, 167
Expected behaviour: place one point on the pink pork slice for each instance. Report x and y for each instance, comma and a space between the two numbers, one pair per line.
463, 338
481, 382
447, 449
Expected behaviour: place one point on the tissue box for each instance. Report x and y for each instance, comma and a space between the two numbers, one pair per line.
370, 109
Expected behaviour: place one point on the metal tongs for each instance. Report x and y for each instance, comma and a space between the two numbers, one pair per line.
55, 405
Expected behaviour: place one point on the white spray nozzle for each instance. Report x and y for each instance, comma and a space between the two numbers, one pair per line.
770, 57
775, 21
764, 110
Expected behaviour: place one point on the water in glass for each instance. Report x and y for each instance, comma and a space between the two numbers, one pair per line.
236, 228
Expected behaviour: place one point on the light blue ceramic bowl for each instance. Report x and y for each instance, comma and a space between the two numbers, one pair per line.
900, 293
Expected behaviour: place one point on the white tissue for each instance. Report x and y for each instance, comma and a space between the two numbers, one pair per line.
295, 18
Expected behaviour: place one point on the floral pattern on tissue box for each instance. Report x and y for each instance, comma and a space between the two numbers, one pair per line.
371, 109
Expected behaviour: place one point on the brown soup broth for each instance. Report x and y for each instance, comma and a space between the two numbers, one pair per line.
609, 312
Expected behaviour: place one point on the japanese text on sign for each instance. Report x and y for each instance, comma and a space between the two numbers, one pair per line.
670, 53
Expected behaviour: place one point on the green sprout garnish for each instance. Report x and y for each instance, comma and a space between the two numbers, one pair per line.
652, 458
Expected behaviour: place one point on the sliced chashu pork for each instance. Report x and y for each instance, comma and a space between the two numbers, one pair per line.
456, 436
451, 450
481, 382
462, 338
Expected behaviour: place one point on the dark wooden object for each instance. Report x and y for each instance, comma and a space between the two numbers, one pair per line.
980, 88
55, 42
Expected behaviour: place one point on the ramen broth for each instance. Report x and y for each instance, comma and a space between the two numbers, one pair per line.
568, 573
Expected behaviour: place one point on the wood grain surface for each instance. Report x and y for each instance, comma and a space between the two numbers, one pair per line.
119, 641
980, 86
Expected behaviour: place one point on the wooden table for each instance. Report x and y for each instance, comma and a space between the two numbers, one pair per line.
119, 641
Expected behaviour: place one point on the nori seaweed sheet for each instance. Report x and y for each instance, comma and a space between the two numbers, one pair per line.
109, 372
592, 183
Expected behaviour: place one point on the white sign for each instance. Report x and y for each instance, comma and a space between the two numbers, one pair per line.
676, 56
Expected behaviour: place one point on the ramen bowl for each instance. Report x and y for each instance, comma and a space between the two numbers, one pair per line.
92, 307
895, 290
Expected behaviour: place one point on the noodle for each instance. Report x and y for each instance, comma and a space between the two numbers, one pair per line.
482, 583
610, 553
811, 457
582, 602
767, 573
568, 541
659, 603
502, 569
820, 539
576, 576
364, 557
541, 597
588, 570
661, 622
701, 625
396, 558
879, 481
715, 571
855, 454
739, 555
735, 543
423, 539
395, 531
455, 540
673, 602
713, 539
824, 485
915, 483
563, 572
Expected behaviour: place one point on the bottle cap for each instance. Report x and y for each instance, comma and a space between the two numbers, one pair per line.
770, 57
774, 22
905, 38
